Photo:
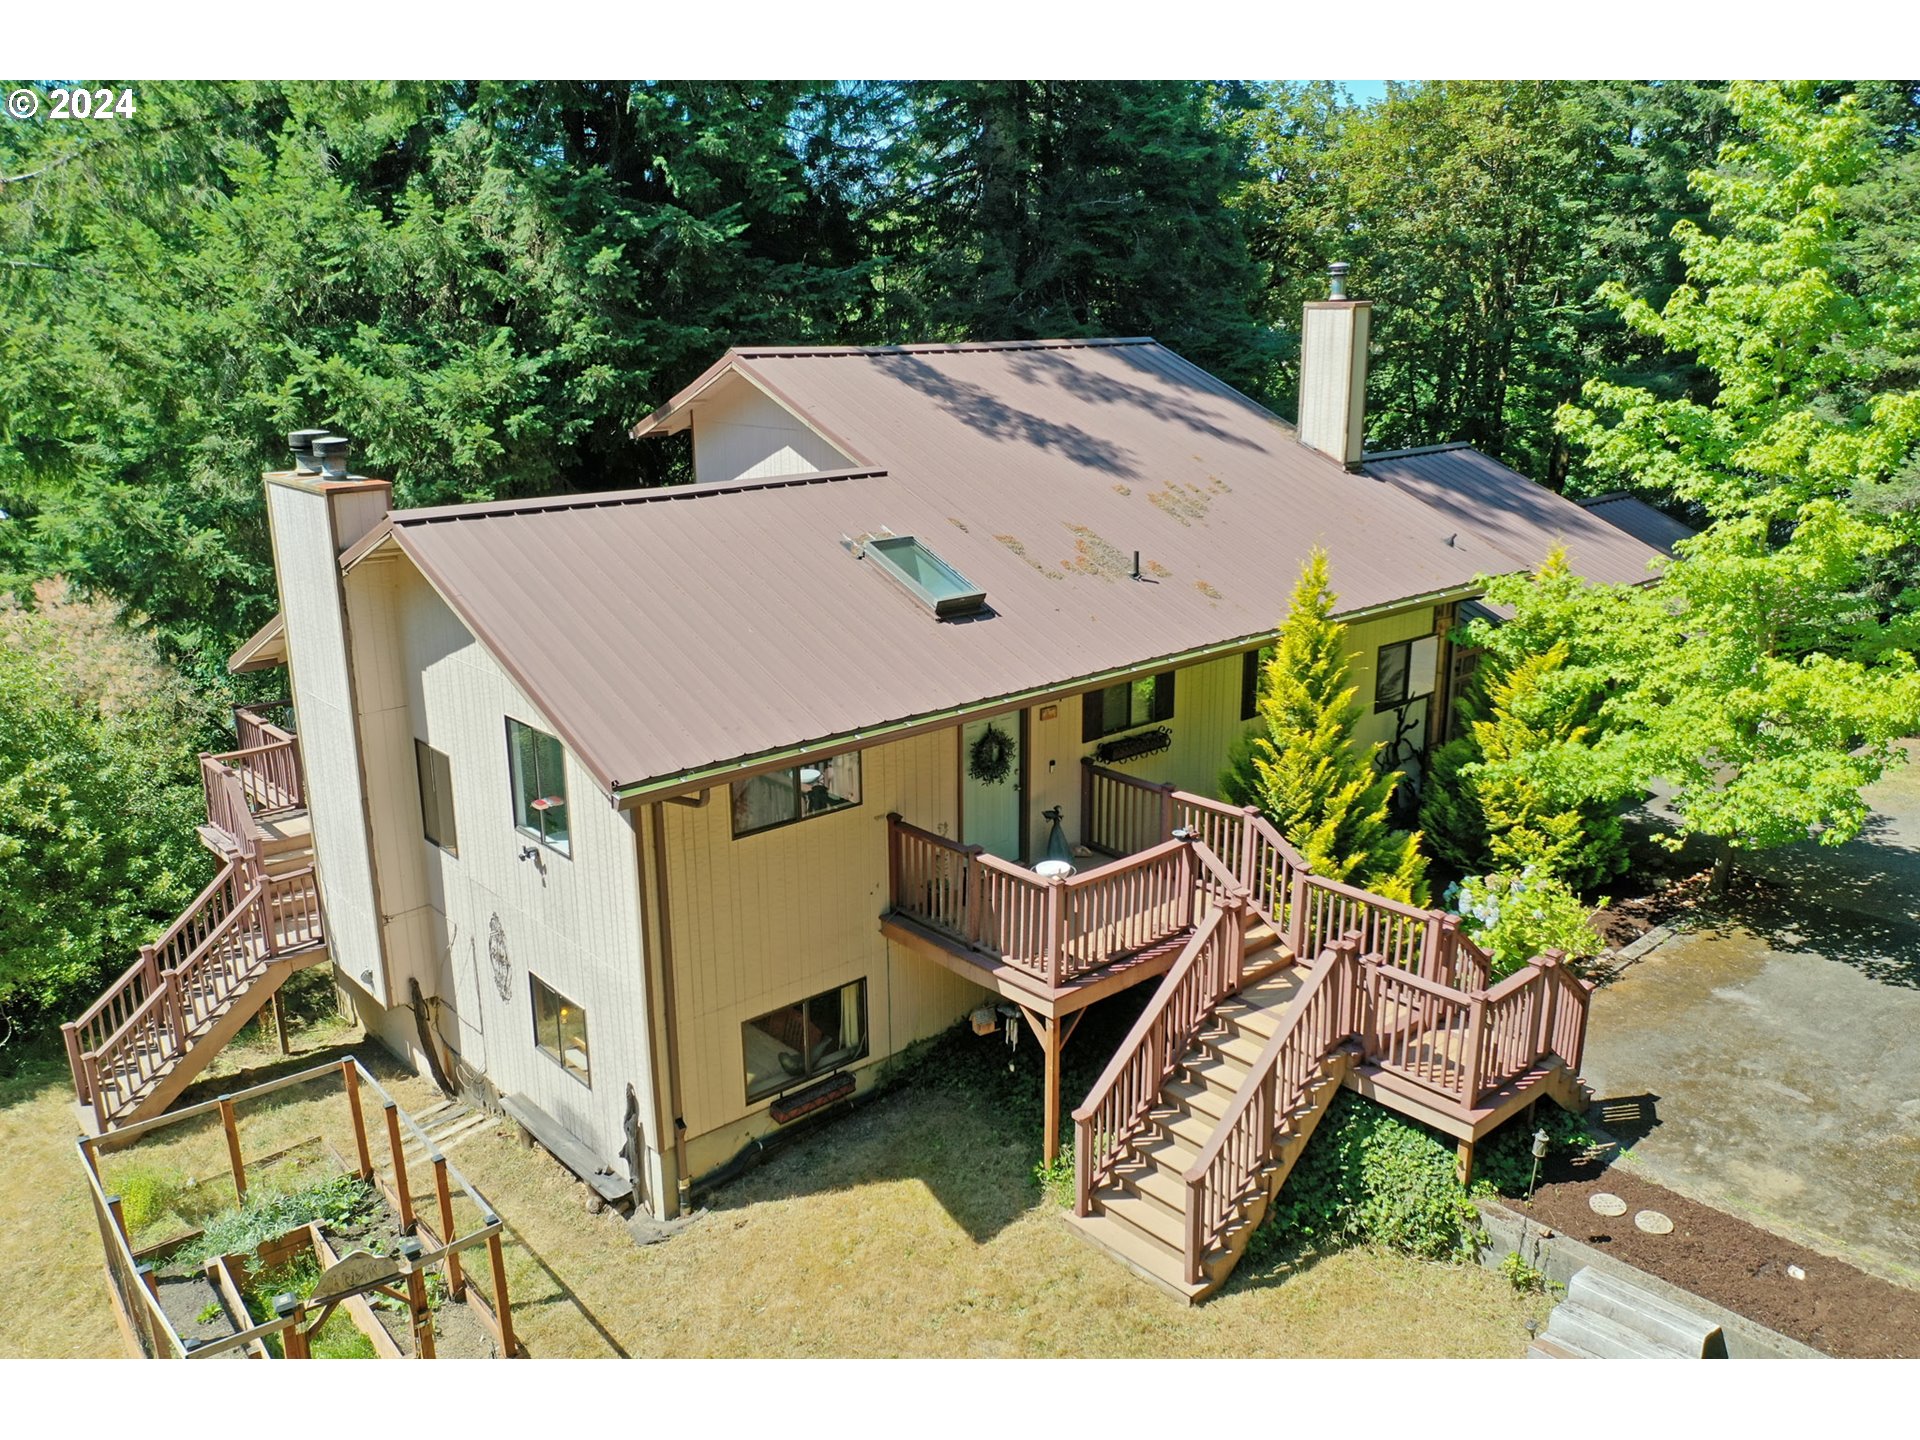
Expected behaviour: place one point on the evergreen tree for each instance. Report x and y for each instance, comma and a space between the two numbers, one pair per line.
1309, 774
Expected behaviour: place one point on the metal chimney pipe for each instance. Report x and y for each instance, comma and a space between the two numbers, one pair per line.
301, 443
1337, 278
331, 451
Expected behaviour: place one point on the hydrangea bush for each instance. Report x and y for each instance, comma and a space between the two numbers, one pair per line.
1515, 915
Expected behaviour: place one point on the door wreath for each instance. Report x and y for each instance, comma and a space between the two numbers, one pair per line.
990, 760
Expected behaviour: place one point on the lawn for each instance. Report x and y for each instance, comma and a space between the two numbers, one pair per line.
910, 1227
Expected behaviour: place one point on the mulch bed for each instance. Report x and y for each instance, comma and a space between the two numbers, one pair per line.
1836, 1308
1627, 919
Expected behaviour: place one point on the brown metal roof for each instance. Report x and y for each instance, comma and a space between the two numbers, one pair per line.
667, 631
1644, 522
265, 649
1520, 519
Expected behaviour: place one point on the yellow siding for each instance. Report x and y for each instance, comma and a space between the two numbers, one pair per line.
768, 919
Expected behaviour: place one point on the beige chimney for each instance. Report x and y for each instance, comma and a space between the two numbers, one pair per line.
1333, 371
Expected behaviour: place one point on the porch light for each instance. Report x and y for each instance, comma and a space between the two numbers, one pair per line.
1057, 863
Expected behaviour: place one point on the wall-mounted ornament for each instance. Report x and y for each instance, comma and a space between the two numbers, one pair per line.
1132, 747
990, 760
497, 953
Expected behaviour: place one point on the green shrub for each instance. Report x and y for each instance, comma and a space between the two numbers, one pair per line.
1369, 1177
1056, 1180
1503, 1161
268, 1214
1523, 1277
146, 1194
1516, 915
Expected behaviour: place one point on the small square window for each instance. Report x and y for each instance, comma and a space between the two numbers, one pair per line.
1126, 706
805, 1040
436, 797
560, 1029
800, 792
539, 772
1405, 671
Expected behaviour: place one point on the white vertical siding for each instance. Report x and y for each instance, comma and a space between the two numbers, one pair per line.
740, 433
573, 920
320, 681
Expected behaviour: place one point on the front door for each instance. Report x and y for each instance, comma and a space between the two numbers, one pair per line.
993, 798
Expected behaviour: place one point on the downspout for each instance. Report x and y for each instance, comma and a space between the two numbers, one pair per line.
684, 1197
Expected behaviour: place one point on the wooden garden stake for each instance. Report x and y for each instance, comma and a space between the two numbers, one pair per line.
502, 1306
351, 1077
456, 1282
401, 1197
228, 1123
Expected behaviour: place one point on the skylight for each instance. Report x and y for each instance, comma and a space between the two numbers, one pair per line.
925, 576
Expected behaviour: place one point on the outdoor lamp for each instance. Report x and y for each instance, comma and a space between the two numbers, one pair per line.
1057, 863
1540, 1144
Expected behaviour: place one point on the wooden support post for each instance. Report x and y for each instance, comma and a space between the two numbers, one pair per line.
456, 1282
118, 1215
1050, 1041
1056, 934
1087, 831
401, 1197
91, 1065
154, 1324
70, 1033
419, 1314
1463, 1166
280, 1021
293, 1339
1166, 813
231, 1126
502, 1305
350, 1078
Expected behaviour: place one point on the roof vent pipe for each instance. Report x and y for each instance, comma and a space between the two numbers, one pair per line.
331, 451
301, 443
1337, 280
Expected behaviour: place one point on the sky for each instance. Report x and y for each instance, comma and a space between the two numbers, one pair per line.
1365, 90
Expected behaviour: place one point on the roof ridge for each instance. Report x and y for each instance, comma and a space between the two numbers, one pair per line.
934, 347
1367, 457
598, 499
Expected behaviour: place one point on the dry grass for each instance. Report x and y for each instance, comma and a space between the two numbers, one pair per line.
910, 1228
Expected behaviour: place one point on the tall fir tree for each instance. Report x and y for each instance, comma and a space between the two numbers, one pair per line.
1307, 771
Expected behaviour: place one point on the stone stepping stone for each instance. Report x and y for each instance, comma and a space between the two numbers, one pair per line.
1602, 1203
1653, 1222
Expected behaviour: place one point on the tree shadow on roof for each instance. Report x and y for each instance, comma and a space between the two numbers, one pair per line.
1096, 387
980, 410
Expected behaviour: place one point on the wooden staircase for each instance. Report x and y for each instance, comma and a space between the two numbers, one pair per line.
1207, 1104
1140, 1214
161, 1022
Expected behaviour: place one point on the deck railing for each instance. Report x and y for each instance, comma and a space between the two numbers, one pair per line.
1056, 930
1207, 971
1256, 1121
148, 1017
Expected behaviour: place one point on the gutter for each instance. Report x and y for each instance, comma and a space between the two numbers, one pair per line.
680, 782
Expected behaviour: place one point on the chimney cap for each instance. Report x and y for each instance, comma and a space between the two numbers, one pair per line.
301, 443
1337, 278
331, 451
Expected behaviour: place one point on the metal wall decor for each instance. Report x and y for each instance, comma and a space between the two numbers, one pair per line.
1132, 747
497, 953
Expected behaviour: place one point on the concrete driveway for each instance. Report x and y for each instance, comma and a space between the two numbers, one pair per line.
1769, 1064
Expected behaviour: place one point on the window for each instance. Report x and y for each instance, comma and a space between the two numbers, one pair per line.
782, 796
559, 1029
539, 768
1123, 706
925, 576
1404, 671
436, 797
1252, 665
805, 1040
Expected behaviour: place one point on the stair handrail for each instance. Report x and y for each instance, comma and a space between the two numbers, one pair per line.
1206, 972
1281, 903
199, 980
1318, 1020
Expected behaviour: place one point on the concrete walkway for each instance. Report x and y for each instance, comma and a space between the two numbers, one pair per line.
1769, 1064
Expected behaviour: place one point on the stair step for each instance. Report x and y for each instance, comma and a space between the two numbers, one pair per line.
1186, 1130
1148, 1219
1645, 1313
1603, 1337
1249, 1021
1217, 1072
1156, 1262
1144, 1175
1202, 1100
1168, 1152
1541, 1348
1231, 1045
